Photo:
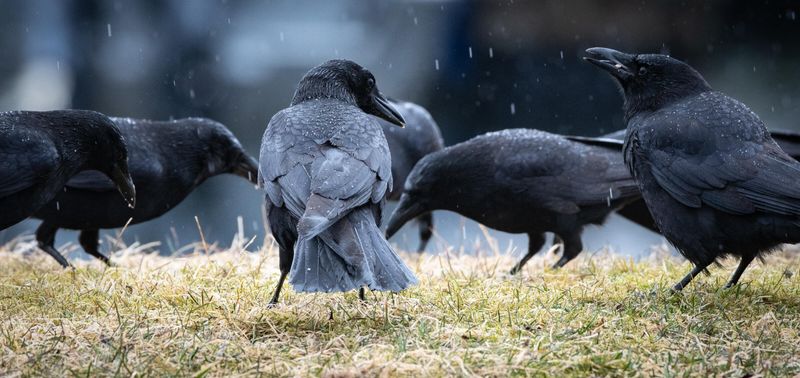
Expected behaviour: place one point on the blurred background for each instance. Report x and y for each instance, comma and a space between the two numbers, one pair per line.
476, 65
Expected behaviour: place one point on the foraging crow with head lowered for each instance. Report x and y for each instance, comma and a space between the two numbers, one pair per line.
40, 151
522, 181
168, 159
407, 145
711, 175
326, 168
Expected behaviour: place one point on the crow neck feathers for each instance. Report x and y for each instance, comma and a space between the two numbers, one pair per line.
324, 83
644, 97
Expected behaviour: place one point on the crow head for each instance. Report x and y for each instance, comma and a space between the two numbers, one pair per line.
349, 82
222, 152
110, 155
648, 81
421, 191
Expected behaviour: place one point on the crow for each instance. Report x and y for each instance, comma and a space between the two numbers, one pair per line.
326, 168
40, 151
714, 180
522, 181
168, 159
407, 145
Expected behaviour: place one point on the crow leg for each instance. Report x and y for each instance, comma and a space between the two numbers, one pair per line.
535, 242
283, 228
685, 281
362, 294
277, 292
89, 240
743, 264
572, 248
46, 237
425, 223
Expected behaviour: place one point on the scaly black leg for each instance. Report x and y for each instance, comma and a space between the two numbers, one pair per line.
89, 240
46, 237
743, 264
685, 281
535, 242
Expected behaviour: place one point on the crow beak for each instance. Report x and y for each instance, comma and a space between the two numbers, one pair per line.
122, 179
385, 110
615, 62
246, 167
407, 209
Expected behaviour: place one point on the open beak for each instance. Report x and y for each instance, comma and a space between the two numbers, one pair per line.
407, 209
616, 63
246, 167
122, 179
385, 110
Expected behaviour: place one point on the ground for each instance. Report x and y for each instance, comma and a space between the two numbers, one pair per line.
206, 314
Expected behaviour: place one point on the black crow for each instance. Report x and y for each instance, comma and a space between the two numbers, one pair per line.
168, 159
711, 175
40, 151
407, 145
522, 181
326, 168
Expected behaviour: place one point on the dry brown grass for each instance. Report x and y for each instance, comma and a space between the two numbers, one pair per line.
206, 315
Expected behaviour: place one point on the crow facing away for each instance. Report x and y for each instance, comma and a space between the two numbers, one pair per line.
40, 151
407, 145
522, 181
711, 175
168, 159
326, 168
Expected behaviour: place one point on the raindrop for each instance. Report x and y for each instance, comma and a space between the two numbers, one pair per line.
491, 53
191, 93
58, 206
436, 63
415, 21
109, 30
513, 109
58, 65
281, 36
470, 52
562, 54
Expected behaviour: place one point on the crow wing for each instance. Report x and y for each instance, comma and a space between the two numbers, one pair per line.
727, 162
321, 169
569, 175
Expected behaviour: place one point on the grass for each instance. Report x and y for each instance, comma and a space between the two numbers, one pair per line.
206, 315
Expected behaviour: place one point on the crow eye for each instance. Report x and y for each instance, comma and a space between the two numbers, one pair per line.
642, 70
370, 82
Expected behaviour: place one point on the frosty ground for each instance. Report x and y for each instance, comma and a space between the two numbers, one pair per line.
205, 314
